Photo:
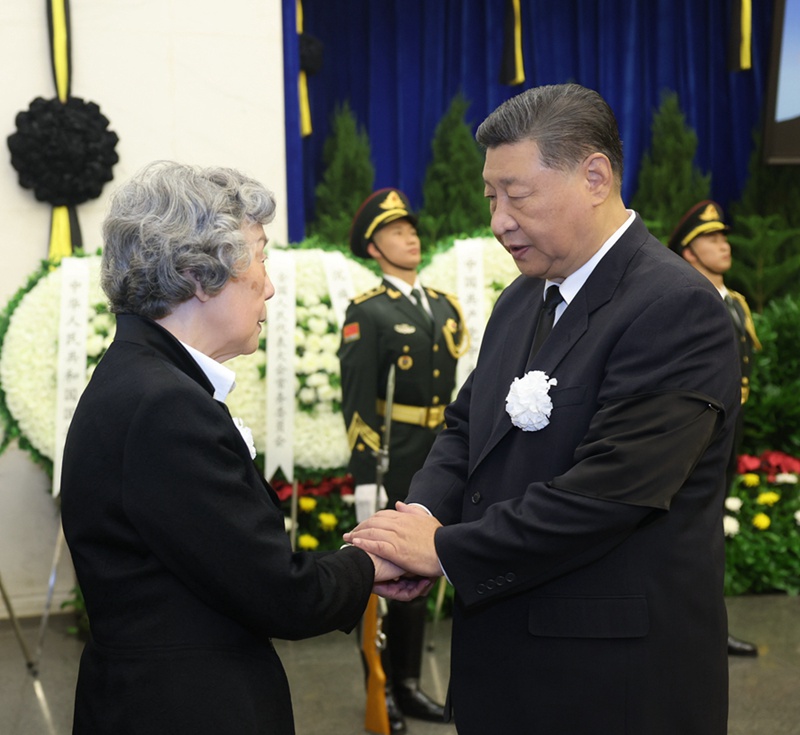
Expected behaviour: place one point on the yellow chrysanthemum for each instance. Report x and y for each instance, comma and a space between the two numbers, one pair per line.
306, 503
768, 498
750, 479
307, 542
328, 521
761, 521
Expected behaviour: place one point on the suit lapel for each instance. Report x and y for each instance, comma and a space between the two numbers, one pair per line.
573, 323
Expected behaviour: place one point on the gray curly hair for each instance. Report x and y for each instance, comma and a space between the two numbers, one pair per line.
174, 226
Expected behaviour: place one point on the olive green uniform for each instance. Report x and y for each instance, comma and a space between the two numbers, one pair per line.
382, 328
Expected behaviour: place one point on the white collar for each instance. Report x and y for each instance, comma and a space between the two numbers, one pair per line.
402, 286
222, 378
574, 282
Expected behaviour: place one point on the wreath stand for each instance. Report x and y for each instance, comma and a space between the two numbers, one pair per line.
51, 583
31, 664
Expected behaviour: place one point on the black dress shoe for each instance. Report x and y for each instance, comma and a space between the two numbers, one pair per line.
413, 702
740, 648
397, 724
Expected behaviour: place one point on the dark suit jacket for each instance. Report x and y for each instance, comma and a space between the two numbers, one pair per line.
588, 556
180, 550
383, 327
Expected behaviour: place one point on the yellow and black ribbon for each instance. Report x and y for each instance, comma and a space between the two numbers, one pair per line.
740, 41
65, 234
512, 68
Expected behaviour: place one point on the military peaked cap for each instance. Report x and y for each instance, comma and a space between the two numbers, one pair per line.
702, 219
378, 209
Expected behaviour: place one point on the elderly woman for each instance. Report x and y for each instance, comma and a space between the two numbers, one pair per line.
178, 543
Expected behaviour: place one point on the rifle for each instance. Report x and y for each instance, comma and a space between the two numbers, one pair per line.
373, 639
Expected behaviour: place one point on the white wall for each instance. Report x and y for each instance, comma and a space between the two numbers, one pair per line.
197, 81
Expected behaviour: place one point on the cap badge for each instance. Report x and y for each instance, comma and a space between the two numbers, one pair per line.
392, 201
709, 214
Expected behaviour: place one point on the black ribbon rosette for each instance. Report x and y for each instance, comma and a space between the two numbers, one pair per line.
64, 151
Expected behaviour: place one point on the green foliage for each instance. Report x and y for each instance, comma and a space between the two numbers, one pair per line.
77, 604
766, 231
762, 546
453, 188
766, 258
770, 190
772, 415
669, 181
347, 179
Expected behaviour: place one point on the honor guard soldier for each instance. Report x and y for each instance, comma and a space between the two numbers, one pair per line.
422, 333
701, 239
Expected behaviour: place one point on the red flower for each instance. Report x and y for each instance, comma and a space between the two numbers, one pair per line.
747, 463
775, 462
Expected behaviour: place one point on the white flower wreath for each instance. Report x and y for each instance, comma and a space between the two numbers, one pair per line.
528, 402
29, 356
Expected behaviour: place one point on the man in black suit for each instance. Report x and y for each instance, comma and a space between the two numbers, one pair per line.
178, 543
575, 497
420, 331
700, 238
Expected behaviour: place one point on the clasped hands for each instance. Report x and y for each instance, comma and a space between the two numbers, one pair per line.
400, 543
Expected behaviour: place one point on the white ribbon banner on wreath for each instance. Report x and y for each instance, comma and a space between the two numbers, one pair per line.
71, 367
340, 283
470, 291
281, 324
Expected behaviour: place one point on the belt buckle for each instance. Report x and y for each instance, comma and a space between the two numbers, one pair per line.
433, 417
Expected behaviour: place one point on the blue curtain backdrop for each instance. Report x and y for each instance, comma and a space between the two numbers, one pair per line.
400, 62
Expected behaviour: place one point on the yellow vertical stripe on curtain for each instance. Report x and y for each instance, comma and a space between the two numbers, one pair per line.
746, 42
519, 66
60, 56
302, 85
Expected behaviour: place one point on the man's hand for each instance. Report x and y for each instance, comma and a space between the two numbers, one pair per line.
404, 589
403, 537
393, 582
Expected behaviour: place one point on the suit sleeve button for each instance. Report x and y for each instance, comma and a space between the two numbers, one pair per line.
510, 577
480, 589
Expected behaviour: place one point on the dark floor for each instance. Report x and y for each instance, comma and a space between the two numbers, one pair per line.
328, 689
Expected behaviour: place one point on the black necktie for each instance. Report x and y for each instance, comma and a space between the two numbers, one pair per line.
738, 321
546, 318
417, 299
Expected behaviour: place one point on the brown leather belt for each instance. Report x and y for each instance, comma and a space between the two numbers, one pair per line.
428, 416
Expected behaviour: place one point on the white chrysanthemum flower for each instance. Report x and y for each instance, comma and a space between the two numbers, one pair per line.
95, 345
307, 396
318, 379
247, 435
785, 478
528, 401
797, 517
733, 504
730, 525
318, 326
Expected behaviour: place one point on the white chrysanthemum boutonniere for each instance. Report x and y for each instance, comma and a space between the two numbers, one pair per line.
247, 435
528, 401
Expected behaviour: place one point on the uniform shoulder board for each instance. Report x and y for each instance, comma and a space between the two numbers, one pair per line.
438, 294
369, 294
